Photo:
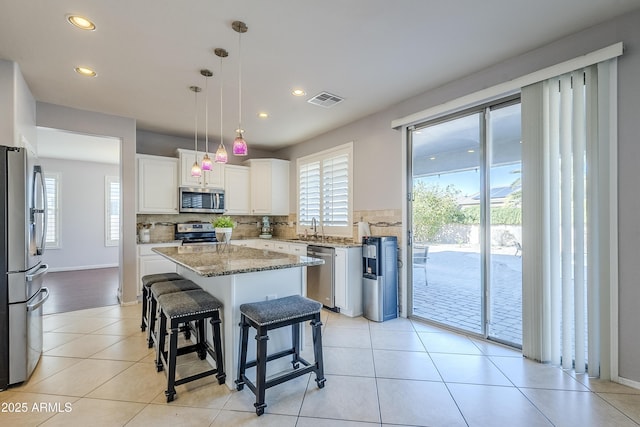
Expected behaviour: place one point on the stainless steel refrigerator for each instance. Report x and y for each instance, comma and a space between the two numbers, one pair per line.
23, 220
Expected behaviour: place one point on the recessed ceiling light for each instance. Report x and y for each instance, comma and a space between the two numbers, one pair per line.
84, 71
81, 22
471, 151
263, 115
432, 158
298, 92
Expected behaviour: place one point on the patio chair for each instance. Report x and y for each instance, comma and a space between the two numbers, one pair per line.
518, 248
420, 257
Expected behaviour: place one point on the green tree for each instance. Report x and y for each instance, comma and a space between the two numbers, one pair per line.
433, 208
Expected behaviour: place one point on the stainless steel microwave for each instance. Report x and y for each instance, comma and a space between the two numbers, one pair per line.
201, 200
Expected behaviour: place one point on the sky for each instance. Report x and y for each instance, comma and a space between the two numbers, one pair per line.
469, 181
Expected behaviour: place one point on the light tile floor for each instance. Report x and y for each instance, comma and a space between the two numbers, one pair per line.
97, 371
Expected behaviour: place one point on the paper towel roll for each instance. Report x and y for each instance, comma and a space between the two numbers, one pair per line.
363, 230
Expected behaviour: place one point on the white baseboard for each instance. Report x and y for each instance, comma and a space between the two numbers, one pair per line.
629, 383
82, 267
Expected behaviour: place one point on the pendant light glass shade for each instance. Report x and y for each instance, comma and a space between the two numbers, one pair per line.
239, 144
196, 172
221, 152
207, 164
221, 155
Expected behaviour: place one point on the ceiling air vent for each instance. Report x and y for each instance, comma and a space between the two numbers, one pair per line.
325, 99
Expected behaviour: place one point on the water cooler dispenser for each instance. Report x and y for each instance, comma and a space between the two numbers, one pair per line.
380, 278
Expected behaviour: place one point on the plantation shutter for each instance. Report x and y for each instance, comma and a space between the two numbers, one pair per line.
51, 185
113, 211
324, 192
335, 191
309, 193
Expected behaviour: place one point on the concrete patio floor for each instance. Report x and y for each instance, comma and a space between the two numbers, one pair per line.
451, 294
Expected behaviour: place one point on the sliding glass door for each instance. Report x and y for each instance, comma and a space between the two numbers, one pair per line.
465, 222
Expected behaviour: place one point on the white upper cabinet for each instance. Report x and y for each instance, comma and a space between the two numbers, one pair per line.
269, 186
237, 190
157, 184
211, 179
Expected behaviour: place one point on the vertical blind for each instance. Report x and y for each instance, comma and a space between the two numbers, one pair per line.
563, 201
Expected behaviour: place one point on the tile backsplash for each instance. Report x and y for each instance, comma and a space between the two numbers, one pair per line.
162, 227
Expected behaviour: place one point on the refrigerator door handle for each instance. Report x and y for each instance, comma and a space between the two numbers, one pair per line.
44, 292
37, 170
41, 271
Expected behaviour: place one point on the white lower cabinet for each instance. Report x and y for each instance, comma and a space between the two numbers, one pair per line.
348, 281
273, 245
263, 244
297, 249
150, 262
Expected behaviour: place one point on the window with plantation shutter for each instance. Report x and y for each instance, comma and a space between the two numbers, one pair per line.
324, 192
52, 185
335, 191
112, 202
309, 185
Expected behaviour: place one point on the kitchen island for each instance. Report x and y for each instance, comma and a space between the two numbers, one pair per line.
237, 275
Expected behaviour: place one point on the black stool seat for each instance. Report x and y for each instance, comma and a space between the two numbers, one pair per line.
150, 279
272, 314
280, 310
188, 303
188, 306
147, 281
161, 288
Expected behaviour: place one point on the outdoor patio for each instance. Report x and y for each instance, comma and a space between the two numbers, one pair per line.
451, 294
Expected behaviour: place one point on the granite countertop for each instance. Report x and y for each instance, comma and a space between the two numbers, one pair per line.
329, 244
161, 242
222, 260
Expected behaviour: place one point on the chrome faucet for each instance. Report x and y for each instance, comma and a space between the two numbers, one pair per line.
314, 225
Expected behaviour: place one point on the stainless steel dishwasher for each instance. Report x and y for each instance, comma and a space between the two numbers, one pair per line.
320, 278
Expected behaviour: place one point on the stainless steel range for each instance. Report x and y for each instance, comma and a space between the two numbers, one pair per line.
195, 233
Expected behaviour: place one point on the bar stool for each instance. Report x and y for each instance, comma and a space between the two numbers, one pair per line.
161, 288
147, 281
183, 307
272, 314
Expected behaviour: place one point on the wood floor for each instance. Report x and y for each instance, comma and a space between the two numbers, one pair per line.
81, 289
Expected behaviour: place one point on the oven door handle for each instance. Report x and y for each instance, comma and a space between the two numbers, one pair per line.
44, 296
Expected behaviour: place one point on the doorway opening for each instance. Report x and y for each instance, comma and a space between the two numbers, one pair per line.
82, 175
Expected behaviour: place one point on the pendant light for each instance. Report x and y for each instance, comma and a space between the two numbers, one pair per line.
221, 153
207, 165
239, 144
196, 172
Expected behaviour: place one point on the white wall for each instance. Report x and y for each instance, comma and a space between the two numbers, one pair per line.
87, 122
82, 215
17, 109
379, 170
